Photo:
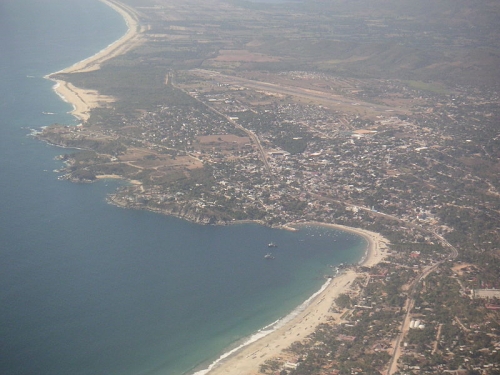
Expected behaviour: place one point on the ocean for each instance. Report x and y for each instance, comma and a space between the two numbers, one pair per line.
90, 288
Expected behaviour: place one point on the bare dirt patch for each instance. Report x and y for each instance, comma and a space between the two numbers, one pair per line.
223, 138
459, 269
145, 159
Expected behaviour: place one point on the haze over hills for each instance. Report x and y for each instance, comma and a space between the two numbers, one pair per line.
375, 114
452, 41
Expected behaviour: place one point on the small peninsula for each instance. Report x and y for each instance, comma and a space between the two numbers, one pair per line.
381, 116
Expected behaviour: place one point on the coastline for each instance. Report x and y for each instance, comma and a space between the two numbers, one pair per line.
376, 242
269, 342
84, 100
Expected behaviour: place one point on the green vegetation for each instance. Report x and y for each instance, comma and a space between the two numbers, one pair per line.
343, 301
427, 86
388, 112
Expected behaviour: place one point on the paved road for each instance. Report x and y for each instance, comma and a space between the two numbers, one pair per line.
405, 326
326, 97
411, 301
250, 133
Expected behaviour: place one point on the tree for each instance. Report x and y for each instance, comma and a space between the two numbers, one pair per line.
343, 301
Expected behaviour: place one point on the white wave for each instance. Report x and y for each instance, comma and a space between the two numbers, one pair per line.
263, 332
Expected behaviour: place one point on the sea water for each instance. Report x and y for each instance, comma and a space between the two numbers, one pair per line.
89, 288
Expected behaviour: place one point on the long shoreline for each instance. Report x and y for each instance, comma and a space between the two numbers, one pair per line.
268, 342
83, 100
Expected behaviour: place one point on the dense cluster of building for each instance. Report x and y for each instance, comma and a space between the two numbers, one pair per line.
227, 153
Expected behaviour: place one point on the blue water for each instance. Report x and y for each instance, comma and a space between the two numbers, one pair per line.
89, 288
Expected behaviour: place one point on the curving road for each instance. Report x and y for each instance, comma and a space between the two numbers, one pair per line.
410, 302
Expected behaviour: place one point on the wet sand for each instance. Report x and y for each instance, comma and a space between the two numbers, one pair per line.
83, 100
246, 361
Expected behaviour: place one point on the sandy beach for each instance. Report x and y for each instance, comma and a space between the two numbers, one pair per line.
83, 100
246, 360
376, 242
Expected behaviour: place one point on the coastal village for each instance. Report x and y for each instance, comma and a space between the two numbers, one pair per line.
411, 165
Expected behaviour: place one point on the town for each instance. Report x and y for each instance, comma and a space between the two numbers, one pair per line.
414, 160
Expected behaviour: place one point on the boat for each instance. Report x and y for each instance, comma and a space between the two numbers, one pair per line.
269, 256
272, 244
